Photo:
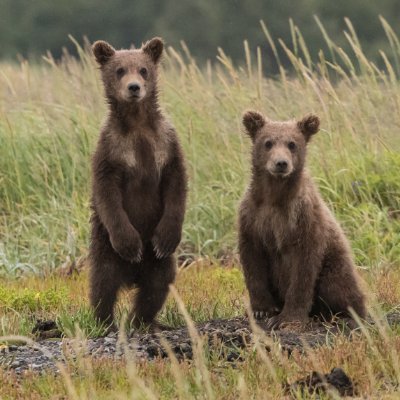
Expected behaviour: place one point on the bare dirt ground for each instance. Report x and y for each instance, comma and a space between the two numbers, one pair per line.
225, 337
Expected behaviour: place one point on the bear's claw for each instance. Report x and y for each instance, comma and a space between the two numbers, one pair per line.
260, 314
138, 258
165, 244
264, 314
159, 253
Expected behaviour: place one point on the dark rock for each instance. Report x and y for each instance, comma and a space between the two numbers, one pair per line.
47, 329
319, 383
153, 350
338, 379
44, 325
234, 356
393, 318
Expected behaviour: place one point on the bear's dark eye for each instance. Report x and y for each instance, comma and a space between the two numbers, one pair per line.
143, 72
292, 146
120, 72
268, 144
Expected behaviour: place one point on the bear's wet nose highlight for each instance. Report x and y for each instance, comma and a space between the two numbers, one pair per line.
281, 165
134, 88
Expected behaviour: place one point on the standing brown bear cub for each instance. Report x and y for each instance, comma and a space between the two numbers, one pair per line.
139, 187
296, 259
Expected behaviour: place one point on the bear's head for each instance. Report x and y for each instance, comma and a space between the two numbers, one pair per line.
129, 75
279, 148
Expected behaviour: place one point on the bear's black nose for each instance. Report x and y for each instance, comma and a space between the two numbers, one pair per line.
133, 87
281, 165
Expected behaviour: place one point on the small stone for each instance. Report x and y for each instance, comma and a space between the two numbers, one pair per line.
153, 350
185, 348
233, 356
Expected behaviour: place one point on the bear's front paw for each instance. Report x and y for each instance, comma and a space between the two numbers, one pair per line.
127, 244
165, 240
277, 321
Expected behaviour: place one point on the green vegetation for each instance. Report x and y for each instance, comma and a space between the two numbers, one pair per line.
65, 300
370, 358
50, 115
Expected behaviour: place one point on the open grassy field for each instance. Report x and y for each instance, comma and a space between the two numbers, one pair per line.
50, 113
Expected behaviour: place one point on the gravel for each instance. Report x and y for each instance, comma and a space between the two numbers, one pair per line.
231, 336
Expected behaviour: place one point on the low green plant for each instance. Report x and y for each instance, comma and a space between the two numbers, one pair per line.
28, 300
82, 321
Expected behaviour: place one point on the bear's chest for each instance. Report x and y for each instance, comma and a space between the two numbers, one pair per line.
276, 226
143, 153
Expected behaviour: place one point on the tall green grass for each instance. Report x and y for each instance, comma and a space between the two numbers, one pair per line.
50, 114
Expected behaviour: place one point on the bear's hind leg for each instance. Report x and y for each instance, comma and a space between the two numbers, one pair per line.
105, 281
339, 287
152, 289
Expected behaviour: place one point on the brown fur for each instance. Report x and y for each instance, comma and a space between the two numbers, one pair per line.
139, 187
296, 259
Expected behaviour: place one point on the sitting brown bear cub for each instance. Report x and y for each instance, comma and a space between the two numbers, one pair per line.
296, 259
139, 187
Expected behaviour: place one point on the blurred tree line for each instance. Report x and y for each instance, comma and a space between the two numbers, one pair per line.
31, 27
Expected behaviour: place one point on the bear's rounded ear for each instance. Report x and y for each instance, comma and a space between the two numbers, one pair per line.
102, 51
309, 126
154, 49
253, 121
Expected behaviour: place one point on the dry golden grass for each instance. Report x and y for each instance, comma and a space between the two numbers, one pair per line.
370, 358
50, 114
